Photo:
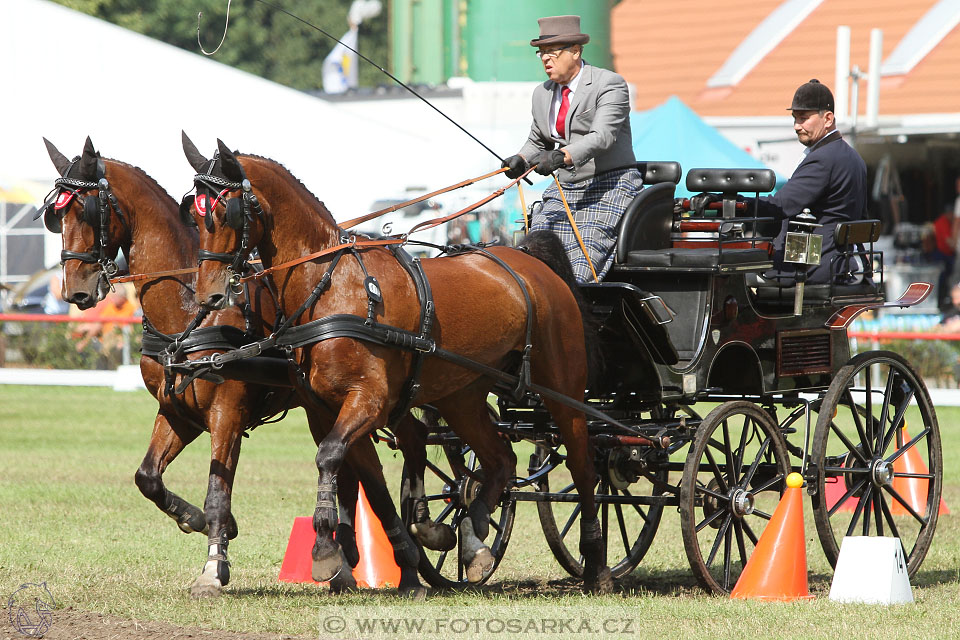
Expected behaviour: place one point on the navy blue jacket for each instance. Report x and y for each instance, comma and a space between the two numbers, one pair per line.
832, 182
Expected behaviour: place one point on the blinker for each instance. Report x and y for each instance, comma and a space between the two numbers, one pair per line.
91, 211
185, 205
233, 217
51, 219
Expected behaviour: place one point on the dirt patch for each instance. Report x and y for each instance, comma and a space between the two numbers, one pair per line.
69, 624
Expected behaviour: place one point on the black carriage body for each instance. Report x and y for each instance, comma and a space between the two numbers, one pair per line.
717, 337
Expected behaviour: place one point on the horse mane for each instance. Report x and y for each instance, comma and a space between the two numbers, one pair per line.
150, 180
302, 188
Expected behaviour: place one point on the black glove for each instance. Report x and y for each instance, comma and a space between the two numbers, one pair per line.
548, 161
678, 207
699, 202
517, 166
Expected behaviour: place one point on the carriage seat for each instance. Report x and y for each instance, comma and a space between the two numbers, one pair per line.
848, 236
648, 219
697, 258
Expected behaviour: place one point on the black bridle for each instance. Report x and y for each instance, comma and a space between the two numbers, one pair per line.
239, 213
96, 213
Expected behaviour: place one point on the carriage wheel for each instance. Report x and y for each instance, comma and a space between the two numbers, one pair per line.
449, 490
733, 478
872, 478
628, 529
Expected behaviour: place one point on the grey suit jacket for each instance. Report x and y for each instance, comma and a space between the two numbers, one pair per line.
597, 125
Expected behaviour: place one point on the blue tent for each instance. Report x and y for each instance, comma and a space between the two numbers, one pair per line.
672, 131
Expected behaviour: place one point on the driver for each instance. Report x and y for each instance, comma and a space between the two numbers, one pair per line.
581, 126
831, 181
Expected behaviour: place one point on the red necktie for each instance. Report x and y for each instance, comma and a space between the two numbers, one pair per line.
562, 112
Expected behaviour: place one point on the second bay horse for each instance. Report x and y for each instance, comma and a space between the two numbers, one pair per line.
481, 313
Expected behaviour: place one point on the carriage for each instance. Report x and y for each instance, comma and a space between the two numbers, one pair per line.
685, 320
716, 383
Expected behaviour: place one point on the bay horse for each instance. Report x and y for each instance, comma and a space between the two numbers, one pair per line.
146, 224
481, 312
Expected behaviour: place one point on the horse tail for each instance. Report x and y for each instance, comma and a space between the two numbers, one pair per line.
547, 247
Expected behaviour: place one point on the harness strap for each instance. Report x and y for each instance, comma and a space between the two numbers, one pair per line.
412, 386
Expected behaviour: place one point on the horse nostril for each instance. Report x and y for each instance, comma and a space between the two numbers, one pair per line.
215, 301
82, 299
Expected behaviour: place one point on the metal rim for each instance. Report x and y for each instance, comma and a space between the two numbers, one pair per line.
733, 477
866, 450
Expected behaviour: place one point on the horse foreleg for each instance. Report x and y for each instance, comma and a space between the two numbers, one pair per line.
320, 421
226, 429
166, 443
467, 413
573, 428
411, 440
362, 457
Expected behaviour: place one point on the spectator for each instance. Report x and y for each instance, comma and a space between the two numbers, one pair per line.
943, 250
950, 322
106, 336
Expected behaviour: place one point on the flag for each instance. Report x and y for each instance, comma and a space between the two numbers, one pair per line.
340, 65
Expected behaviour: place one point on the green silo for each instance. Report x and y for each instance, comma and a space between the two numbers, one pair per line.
485, 40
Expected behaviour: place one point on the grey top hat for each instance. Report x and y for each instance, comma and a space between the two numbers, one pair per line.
812, 96
560, 30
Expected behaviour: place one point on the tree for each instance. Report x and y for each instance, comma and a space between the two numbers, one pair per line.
260, 39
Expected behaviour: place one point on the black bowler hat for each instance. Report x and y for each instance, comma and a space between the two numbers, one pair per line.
812, 96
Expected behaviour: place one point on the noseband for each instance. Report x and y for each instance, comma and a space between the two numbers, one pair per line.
237, 217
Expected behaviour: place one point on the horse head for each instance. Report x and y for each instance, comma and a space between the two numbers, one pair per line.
85, 212
231, 215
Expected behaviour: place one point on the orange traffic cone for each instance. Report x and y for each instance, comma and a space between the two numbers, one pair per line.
297, 563
376, 568
777, 570
913, 490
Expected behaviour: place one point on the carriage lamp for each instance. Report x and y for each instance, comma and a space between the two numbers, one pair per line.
802, 248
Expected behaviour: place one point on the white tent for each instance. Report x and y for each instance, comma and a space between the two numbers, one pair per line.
69, 75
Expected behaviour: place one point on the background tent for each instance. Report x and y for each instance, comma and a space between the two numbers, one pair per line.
672, 131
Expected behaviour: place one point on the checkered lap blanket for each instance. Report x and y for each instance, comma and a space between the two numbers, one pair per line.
597, 206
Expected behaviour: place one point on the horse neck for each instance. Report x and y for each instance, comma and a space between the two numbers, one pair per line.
298, 223
158, 240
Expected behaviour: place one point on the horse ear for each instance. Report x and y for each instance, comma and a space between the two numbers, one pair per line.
229, 164
59, 160
194, 157
88, 161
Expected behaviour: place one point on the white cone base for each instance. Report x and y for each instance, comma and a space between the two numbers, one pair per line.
871, 570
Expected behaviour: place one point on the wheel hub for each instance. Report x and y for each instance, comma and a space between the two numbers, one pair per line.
619, 471
741, 502
881, 472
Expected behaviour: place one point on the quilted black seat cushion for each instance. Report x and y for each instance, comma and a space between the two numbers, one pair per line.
701, 258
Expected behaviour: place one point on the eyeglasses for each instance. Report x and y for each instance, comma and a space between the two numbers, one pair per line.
553, 53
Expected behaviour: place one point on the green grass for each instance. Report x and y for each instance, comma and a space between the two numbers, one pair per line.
72, 516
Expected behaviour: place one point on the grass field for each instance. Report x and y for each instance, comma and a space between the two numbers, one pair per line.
72, 516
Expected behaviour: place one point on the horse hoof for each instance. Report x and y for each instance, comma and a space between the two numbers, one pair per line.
417, 592
600, 584
326, 569
205, 587
480, 566
344, 582
438, 537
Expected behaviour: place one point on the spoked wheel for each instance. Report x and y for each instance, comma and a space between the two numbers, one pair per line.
628, 529
450, 486
877, 451
733, 478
